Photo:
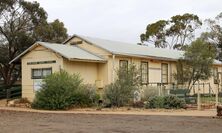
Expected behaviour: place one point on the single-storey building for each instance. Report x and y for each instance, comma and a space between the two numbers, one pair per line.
96, 60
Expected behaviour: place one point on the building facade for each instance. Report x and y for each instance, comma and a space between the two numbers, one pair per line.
97, 60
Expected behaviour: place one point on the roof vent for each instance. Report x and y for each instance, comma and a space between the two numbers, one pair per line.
76, 42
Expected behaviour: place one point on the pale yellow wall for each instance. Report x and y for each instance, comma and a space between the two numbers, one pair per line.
205, 89
87, 70
154, 67
89, 47
102, 72
38, 54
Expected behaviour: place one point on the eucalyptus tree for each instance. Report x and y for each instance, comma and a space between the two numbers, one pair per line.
20, 26
197, 63
175, 33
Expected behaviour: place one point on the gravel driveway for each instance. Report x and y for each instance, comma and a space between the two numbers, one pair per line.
26, 122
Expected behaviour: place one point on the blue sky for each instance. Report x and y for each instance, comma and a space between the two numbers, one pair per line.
122, 20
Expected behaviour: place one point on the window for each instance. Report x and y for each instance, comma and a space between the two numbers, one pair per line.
144, 72
123, 64
41, 73
164, 72
215, 75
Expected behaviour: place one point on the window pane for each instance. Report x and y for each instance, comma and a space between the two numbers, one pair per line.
41, 73
37, 72
144, 72
215, 71
47, 72
123, 64
164, 70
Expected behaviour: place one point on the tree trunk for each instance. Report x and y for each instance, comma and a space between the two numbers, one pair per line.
7, 73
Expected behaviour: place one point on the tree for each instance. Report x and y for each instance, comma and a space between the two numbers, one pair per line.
156, 34
19, 22
174, 33
197, 63
121, 91
52, 32
214, 35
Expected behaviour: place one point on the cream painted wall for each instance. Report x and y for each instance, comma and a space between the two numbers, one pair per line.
154, 67
87, 70
38, 54
89, 47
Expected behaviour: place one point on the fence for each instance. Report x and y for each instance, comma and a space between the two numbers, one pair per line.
11, 93
200, 95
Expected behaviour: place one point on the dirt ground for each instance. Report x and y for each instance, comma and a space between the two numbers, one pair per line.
27, 122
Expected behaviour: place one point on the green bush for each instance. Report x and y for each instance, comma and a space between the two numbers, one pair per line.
171, 102
61, 91
120, 93
86, 96
155, 102
167, 102
149, 91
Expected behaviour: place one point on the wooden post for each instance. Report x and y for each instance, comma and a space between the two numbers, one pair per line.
198, 97
217, 91
113, 68
159, 88
8, 94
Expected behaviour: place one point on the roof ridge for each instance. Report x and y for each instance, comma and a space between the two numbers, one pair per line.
145, 46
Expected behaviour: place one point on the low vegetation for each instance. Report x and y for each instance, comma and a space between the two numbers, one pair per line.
167, 102
120, 93
62, 90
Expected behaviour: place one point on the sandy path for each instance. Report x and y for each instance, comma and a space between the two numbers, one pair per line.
27, 122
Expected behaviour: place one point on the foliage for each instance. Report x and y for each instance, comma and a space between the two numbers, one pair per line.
214, 35
156, 33
61, 91
149, 91
171, 102
155, 102
22, 100
121, 91
167, 102
51, 32
173, 33
197, 63
19, 28
138, 104
86, 96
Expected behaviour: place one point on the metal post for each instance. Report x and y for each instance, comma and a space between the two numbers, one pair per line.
198, 97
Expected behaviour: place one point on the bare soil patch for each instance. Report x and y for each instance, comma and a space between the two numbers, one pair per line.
26, 122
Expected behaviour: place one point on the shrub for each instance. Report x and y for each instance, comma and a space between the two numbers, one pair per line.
155, 102
138, 104
167, 102
121, 91
86, 96
148, 92
171, 102
61, 91
22, 100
